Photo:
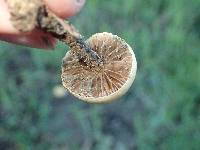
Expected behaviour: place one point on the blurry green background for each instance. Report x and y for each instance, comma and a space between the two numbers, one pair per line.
161, 111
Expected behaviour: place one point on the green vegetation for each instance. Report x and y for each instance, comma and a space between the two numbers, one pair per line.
160, 112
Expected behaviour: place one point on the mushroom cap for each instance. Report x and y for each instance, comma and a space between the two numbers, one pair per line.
104, 83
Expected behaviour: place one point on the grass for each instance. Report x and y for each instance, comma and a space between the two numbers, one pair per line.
161, 111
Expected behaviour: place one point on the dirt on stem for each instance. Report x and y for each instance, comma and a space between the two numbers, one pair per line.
29, 14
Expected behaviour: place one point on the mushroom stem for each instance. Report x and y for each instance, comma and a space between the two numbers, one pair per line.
43, 18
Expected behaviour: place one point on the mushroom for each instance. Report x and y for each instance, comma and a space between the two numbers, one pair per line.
97, 83
100, 69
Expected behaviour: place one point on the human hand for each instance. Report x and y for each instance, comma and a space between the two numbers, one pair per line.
36, 38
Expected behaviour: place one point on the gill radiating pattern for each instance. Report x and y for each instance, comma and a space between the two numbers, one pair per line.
99, 81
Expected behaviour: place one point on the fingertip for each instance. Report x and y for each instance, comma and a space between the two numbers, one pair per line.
5, 23
65, 8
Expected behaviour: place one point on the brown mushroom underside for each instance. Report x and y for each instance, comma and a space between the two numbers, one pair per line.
95, 81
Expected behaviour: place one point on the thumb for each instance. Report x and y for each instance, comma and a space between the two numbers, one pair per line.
65, 8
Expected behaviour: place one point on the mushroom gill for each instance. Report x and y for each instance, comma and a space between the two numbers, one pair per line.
107, 81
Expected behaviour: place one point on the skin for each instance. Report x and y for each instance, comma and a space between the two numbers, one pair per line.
36, 38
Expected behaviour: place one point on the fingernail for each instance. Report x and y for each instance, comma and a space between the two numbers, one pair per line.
79, 4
